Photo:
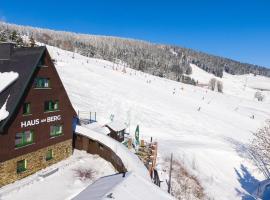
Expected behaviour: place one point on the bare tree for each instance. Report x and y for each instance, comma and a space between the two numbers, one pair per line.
260, 149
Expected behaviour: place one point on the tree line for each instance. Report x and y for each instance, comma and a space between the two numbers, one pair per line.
166, 61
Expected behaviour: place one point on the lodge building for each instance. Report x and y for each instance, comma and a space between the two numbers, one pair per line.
38, 130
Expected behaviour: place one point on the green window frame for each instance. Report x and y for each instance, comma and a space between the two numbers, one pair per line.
50, 106
56, 130
49, 155
21, 166
41, 82
24, 138
26, 108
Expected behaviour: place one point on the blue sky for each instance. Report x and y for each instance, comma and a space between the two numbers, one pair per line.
235, 29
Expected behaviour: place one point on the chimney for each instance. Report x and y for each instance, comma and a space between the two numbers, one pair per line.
6, 50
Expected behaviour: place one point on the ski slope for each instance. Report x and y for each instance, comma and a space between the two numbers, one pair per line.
206, 130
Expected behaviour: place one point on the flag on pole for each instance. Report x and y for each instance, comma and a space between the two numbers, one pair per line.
137, 135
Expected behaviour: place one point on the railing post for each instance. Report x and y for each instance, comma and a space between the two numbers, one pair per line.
90, 117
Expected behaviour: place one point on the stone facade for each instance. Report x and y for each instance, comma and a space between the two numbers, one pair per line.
35, 161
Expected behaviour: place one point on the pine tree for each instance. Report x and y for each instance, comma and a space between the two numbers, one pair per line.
189, 70
3, 36
32, 41
13, 36
19, 41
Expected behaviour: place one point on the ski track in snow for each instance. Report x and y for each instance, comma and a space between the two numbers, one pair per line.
211, 138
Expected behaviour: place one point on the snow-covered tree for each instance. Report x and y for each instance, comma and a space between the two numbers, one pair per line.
13, 36
189, 70
259, 96
215, 85
159, 60
3, 36
260, 149
212, 84
32, 42
219, 86
19, 41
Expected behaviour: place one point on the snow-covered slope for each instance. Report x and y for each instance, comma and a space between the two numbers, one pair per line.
243, 86
204, 129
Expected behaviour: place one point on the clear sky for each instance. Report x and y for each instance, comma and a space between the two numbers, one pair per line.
237, 29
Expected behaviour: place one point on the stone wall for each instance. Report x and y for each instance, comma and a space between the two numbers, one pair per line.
35, 162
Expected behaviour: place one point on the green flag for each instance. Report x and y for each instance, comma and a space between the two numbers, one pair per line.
137, 135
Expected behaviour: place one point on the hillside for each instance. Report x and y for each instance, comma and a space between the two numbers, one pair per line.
167, 61
210, 141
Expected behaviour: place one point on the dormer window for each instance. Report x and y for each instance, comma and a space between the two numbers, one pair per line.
42, 83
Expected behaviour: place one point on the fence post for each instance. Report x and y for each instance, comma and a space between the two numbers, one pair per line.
170, 175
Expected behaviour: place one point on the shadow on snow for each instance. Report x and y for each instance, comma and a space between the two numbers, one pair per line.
248, 182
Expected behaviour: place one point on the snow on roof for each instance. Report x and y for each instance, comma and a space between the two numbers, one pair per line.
101, 187
122, 187
130, 160
102, 129
6, 79
117, 125
98, 128
3, 111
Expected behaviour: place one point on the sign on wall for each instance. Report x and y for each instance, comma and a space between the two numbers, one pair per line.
35, 122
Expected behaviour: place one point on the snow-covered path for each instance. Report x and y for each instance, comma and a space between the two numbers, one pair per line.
64, 184
205, 129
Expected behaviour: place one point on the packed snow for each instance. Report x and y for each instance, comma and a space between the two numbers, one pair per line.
63, 184
118, 187
205, 130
